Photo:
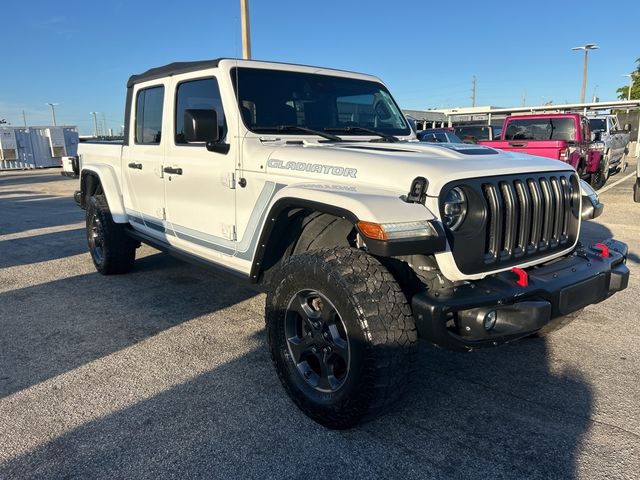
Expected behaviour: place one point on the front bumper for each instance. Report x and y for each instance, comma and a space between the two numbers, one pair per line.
455, 319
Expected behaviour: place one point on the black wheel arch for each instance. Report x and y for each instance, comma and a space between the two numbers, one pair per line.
90, 185
294, 226
284, 225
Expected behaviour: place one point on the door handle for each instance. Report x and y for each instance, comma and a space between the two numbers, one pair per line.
135, 165
175, 171
518, 144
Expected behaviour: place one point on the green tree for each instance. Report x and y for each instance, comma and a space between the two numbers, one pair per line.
623, 92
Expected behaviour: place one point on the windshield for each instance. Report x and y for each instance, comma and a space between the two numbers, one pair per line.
475, 132
269, 99
598, 124
439, 137
562, 128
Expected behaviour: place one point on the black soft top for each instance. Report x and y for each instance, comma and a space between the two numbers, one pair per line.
172, 69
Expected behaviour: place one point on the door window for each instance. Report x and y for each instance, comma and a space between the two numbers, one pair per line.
203, 94
149, 115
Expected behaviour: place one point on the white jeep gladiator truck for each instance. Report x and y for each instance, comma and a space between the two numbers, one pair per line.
309, 181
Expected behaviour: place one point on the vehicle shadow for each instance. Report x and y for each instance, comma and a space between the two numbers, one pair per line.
499, 413
25, 178
36, 210
51, 328
593, 232
41, 248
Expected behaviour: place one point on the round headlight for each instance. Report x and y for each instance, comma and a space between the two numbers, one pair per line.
455, 208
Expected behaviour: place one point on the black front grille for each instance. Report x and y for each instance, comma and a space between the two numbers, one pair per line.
525, 217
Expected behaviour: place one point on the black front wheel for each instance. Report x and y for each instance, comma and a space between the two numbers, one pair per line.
341, 334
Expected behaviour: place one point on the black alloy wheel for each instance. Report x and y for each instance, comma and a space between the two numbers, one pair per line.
317, 340
95, 237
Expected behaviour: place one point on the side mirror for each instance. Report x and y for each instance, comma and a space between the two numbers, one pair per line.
596, 135
201, 125
627, 127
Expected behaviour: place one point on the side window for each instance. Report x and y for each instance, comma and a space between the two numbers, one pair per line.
201, 94
149, 115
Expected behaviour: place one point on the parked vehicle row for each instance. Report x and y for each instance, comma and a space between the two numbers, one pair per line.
563, 136
595, 146
615, 140
309, 182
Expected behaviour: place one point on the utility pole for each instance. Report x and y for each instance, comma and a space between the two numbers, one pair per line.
524, 98
586, 48
24, 118
104, 123
53, 111
473, 91
246, 30
95, 124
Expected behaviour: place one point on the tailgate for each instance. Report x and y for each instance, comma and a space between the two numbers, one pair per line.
542, 148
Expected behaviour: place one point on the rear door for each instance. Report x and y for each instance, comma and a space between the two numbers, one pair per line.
142, 159
200, 197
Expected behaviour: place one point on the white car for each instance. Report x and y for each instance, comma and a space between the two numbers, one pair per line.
310, 182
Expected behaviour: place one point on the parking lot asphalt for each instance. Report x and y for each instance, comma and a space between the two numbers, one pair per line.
164, 373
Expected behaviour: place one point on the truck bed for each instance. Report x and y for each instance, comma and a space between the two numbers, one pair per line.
542, 148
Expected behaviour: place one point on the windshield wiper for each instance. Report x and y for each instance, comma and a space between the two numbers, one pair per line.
385, 136
296, 128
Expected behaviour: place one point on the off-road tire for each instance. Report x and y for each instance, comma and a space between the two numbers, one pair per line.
118, 250
557, 324
599, 178
636, 191
378, 322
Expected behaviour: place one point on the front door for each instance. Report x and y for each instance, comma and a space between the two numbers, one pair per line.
199, 185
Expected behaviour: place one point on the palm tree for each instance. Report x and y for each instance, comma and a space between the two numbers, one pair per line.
623, 92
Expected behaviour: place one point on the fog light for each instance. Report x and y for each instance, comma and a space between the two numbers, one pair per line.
490, 320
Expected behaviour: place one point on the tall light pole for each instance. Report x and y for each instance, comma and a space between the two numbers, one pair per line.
246, 29
53, 111
95, 123
586, 48
630, 75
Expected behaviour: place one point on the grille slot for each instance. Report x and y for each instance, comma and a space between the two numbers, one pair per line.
527, 217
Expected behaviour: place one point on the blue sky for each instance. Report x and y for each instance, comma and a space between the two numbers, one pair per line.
78, 55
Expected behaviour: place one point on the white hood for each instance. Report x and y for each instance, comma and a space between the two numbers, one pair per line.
393, 166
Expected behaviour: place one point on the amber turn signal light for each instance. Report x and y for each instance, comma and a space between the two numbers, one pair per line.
372, 230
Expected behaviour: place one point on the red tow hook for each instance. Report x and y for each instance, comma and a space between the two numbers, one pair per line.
604, 250
523, 277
